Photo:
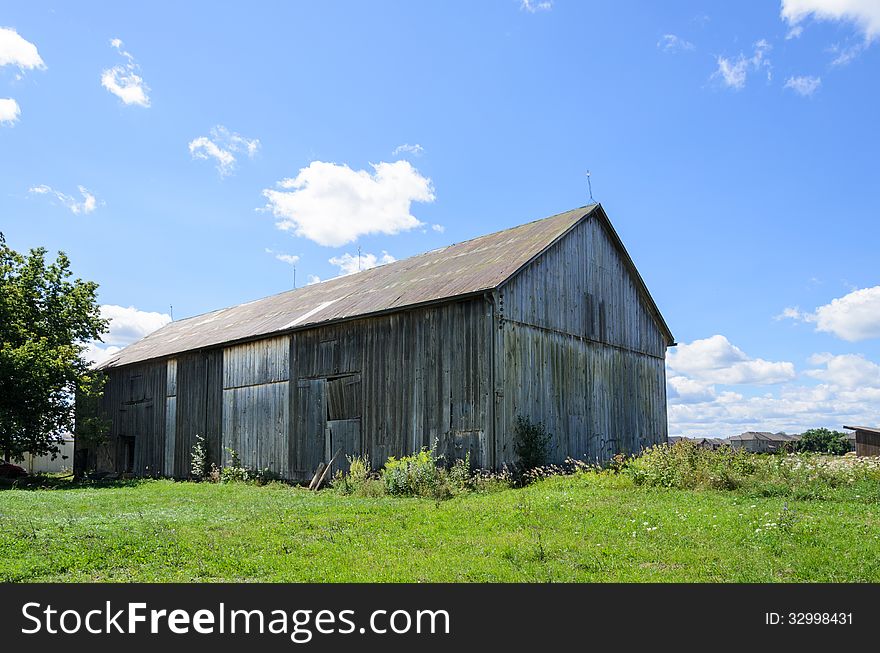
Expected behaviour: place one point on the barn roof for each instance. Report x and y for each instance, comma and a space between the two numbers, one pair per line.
869, 429
459, 270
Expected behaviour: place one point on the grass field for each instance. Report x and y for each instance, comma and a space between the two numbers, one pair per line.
586, 527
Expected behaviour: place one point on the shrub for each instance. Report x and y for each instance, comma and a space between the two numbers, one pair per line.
360, 480
531, 443
686, 465
459, 475
823, 441
199, 459
422, 475
235, 472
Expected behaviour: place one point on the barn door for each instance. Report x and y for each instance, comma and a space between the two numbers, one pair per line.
343, 419
310, 438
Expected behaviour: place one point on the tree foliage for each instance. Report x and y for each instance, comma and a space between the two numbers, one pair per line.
823, 441
45, 319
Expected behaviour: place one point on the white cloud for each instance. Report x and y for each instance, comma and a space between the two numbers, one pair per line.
853, 317
349, 264
88, 203
793, 409
864, 13
734, 72
847, 53
439, 228
222, 146
673, 43
716, 360
684, 390
123, 81
848, 392
849, 371
16, 51
803, 85
534, 6
312, 279
290, 259
333, 205
794, 33
406, 148
9, 111
127, 325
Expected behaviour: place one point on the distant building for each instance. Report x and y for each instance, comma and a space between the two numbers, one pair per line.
705, 443
761, 441
867, 440
63, 461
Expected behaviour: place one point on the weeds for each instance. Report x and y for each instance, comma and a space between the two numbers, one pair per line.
805, 476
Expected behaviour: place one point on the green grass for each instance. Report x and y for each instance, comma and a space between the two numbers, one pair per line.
587, 527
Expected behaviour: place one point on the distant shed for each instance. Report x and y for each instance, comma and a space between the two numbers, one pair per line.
550, 320
867, 440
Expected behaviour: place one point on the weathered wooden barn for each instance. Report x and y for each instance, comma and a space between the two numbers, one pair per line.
549, 319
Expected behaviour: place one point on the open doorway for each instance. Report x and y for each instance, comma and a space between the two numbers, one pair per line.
329, 411
127, 453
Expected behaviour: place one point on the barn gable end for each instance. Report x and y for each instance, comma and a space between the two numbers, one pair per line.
582, 348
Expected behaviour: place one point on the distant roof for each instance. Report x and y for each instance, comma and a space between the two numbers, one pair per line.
462, 269
765, 435
869, 429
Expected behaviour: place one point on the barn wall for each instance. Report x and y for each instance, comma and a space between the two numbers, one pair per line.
867, 443
580, 351
596, 400
133, 403
423, 376
255, 414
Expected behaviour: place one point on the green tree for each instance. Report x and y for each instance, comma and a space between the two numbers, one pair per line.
823, 441
45, 319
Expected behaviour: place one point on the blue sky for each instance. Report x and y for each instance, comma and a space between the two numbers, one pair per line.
187, 154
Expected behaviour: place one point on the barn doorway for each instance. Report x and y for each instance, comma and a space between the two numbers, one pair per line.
127, 442
343, 430
329, 411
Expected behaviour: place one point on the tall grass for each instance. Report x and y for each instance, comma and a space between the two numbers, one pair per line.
687, 466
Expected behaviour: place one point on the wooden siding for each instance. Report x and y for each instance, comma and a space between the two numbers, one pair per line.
424, 377
170, 418
596, 400
867, 443
256, 403
582, 286
134, 405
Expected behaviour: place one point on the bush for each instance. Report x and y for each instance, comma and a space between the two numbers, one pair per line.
459, 475
199, 459
416, 475
823, 441
360, 480
531, 443
235, 472
686, 465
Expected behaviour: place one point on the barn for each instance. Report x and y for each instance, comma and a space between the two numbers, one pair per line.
550, 320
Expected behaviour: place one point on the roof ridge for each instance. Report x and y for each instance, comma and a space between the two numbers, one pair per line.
383, 265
